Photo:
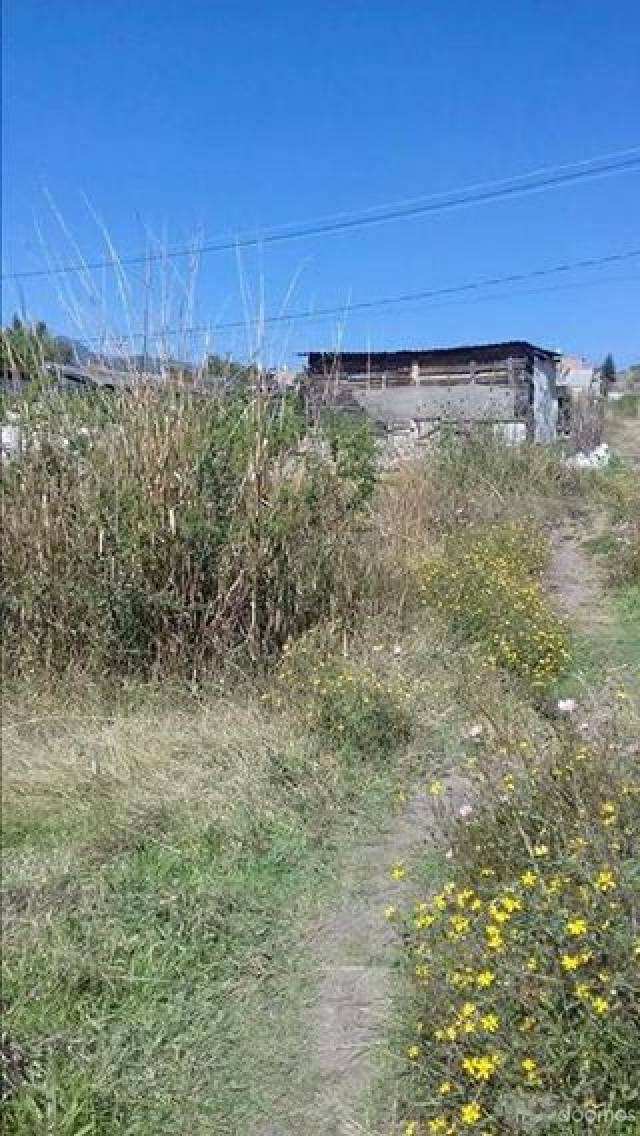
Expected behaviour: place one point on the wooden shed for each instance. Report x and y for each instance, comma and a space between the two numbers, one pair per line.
510, 385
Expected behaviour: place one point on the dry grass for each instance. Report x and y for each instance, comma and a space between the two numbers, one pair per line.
161, 863
165, 850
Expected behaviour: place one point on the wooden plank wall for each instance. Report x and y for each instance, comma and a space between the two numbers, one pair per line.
509, 373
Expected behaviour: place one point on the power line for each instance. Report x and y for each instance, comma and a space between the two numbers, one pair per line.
536, 181
386, 301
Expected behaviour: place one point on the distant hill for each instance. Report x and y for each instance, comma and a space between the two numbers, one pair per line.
151, 365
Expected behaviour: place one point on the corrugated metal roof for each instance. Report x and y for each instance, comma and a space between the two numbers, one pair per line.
479, 353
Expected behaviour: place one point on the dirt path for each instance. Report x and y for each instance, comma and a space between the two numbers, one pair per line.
353, 951
575, 579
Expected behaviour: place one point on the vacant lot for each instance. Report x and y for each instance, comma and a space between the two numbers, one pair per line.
206, 867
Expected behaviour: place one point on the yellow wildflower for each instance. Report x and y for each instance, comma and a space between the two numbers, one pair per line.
485, 978
464, 896
495, 942
527, 1024
497, 915
438, 1125
576, 927
422, 922
470, 1114
608, 812
511, 904
480, 1068
573, 962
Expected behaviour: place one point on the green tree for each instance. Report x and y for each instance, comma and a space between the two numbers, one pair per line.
26, 347
608, 372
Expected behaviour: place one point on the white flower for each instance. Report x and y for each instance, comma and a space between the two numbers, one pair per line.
465, 811
566, 705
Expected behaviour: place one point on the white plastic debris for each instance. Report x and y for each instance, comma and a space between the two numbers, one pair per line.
595, 459
566, 705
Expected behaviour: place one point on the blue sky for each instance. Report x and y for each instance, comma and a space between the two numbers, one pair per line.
214, 118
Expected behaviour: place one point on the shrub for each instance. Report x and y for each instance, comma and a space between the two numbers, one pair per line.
344, 703
526, 961
483, 460
353, 449
155, 532
487, 584
357, 713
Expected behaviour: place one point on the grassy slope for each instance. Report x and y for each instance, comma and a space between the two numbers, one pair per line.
620, 643
163, 861
162, 865
154, 917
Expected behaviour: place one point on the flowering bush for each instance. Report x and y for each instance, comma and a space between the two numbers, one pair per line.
487, 584
526, 961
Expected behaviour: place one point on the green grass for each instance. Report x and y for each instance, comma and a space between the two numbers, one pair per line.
166, 853
158, 909
163, 865
158, 983
626, 407
614, 640
627, 610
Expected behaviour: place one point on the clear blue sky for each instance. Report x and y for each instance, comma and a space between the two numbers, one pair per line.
221, 117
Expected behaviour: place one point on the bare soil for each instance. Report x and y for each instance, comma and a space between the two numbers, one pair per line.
576, 580
352, 951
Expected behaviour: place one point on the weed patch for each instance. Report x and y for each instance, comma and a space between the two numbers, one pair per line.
344, 703
488, 586
526, 961
154, 535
